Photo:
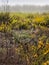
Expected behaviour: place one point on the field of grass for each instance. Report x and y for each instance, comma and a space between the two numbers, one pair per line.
24, 39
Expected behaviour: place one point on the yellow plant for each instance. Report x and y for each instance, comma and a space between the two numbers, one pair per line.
39, 19
40, 43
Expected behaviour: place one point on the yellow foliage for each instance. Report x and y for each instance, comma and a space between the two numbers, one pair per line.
32, 47
40, 43
46, 52
2, 26
39, 19
46, 63
35, 55
39, 46
17, 50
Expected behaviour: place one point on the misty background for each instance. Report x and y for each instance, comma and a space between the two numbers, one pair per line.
24, 5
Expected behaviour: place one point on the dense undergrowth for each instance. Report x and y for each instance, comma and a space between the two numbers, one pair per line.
20, 21
24, 39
